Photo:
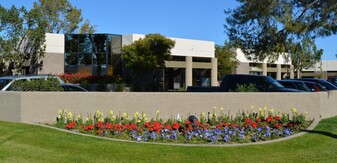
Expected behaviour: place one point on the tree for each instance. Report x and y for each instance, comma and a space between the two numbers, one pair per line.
227, 61
62, 17
146, 55
22, 38
304, 55
267, 27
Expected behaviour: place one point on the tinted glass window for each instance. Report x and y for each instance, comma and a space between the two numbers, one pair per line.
4, 82
85, 59
70, 59
71, 43
99, 43
288, 85
85, 43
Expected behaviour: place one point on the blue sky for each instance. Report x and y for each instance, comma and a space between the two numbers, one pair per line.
190, 19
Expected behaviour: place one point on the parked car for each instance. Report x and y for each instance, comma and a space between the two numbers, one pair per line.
314, 87
325, 84
231, 82
7, 81
295, 84
333, 80
72, 88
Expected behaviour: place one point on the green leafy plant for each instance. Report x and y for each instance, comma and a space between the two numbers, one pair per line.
246, 88
51, 84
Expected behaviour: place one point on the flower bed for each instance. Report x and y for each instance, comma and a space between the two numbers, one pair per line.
243, 128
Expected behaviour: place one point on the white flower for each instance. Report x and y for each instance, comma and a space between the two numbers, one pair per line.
178, 117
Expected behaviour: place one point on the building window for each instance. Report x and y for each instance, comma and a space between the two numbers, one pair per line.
98, 54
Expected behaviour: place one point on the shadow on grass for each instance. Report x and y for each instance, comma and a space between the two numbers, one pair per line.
322, 133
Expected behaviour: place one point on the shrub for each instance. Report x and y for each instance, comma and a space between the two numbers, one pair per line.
244, 88
52, 84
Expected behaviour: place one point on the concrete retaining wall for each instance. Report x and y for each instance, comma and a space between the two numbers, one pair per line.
42, 107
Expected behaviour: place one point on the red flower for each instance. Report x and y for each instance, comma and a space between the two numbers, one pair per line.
278, 118
278, 125
248, 120
258, 120
254, 125
169, 127
176, 125
132, 127
151, 129
90, 127
268, 119
197, 122
225, 124
190, 128
100, 125
108, 126
71, 125
99, 131
218, 127
147, 124
123, 127
188, 122
116, 127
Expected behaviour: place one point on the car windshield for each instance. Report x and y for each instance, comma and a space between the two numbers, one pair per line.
4, 82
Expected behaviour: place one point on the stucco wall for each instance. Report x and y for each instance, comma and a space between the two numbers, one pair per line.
10, 107
42, 107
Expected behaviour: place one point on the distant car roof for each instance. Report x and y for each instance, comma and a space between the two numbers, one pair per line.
6, 81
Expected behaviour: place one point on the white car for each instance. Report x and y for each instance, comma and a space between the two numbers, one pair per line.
6, 81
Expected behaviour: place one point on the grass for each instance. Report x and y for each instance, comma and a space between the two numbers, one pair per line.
28, 143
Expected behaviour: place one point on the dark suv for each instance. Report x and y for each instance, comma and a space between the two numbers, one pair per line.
262, 83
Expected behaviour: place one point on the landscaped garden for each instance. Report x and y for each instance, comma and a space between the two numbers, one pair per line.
29, 143
245, 127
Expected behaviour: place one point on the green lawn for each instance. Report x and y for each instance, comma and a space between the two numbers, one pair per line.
28, 143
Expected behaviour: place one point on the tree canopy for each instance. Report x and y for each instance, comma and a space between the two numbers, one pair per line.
305, 54
149, 53
22, 36
22, 32
270, 27
227, 61
62, 17
143, 57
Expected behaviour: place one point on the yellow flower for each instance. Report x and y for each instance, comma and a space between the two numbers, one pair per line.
294, 110
101, 119
111, 113
305, 113
157, 112
125, 115
138, 120
79, 117
221, 108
